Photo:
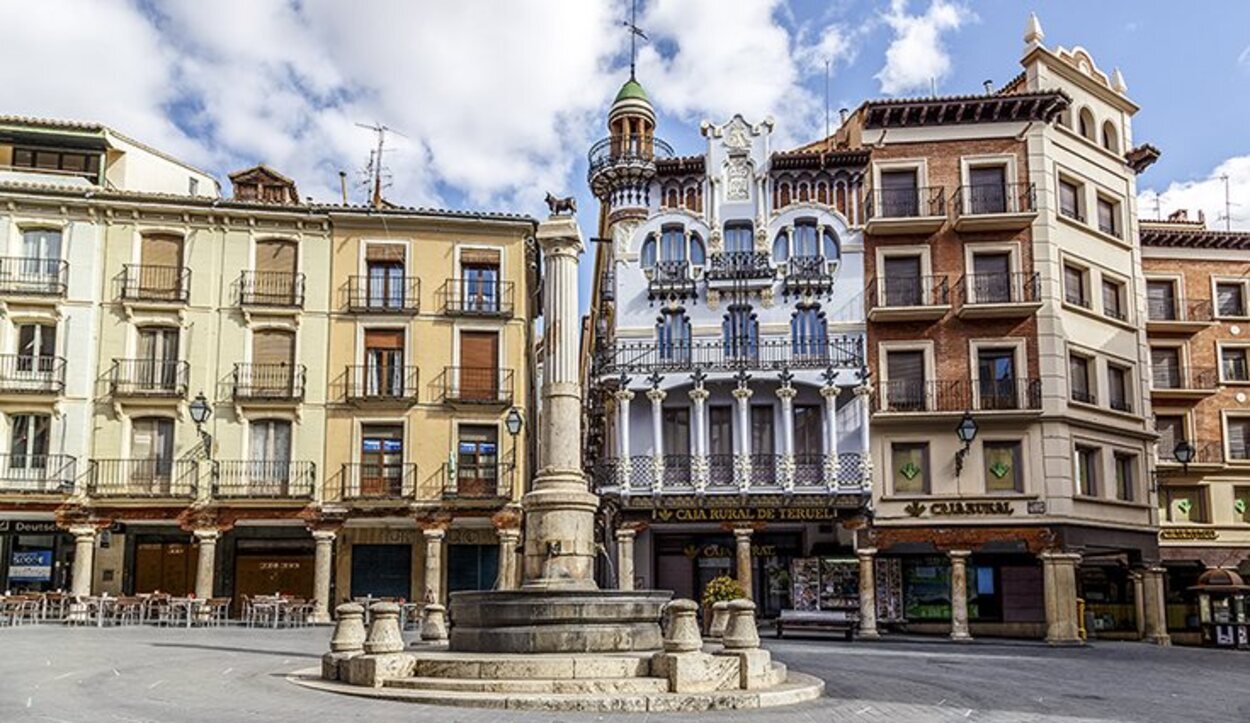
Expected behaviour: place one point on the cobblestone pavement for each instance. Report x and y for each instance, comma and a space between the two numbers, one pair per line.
147, 674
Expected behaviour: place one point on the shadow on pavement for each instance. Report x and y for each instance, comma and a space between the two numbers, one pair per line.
251, 651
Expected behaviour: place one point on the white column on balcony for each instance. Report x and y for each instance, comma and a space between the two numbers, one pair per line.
657, 436
830, 393
786, 395
623, 397
742, 463
863, 393
698, 439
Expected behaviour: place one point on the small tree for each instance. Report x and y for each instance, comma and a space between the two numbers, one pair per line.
721, 588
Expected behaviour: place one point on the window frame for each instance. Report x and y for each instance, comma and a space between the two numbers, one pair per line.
1017, 473
1079, 214
926, 477
1227, 419
1088, 485
1116, 214
1120, 287
1243, 284
1086, 276
1127, 403
1091, 378
1125, 484
1244, 349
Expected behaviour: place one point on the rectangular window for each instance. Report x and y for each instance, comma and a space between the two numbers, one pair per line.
1113, 299
1002, 467
28, 441
1165, 367
1125, 476
1086, 471
996, 378
1161, 300
988, 189
676, 426
720, 430
902, 281
808, 430
1118, 396
900, 195
1070, 200
1074, 286
1171, 429
1233, 364
1108, 217
739, 237
991, 279
905, 388
1230, 299
1239, 438
1185, 504
477, 460
1078, 379
910, 467
1241, 504
762, 435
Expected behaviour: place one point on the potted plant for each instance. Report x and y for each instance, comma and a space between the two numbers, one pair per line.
720, 589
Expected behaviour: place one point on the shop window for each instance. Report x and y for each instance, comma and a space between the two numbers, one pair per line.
1233, 365
909, 467
1125, 476
1184, 504
381, 571
472, 567
1086, 471
1230, 299
1002, 467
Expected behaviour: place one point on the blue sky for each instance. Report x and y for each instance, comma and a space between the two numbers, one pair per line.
497, 102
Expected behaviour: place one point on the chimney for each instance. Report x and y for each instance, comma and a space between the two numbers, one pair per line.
843, 113
989, 86
1179, 216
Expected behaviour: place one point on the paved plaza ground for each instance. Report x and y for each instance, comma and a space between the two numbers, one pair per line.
132, 674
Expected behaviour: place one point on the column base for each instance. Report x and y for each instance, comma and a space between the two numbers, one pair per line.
1065, 642
961, 637
1161, 640
868, 635
320, 619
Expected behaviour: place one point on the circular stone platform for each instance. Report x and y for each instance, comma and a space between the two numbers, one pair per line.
557, 621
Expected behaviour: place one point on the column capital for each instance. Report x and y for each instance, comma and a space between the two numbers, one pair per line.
743, 533
866, 552
434, 534
508, 534
960, 555
1057, 556
787, 393
830, 391
743, 393
625, 534
656, 395
324, 535
863, 390
699, 395
82, 531
206, 534
623, 395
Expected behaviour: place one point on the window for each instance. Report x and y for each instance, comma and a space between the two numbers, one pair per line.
675, 422
1160, 300
991, 279
1125, 476
41, 244
808, 430
900, 194
1171, 429
910, 467
1239, 438
806, 239
905, 385
648, 253
1113, 299
987, 189
28, 441
1165, 367
1085, 124
156, 367
1002, 467
384, 269
763, 436
193, 186
270, 450
1184, 504
1086, 471
1108, 217
720, 430
808, 332
1118, 396
1079, 380
1230, 299
1074, 285
42, 159
1241, 504
996, 379
1070, 200
381, 461
901, 281
672, 244
36, 348
740, 333
480, 282
477, 460
672, 332
739, 237
1110, 139
1233, 364
152, 452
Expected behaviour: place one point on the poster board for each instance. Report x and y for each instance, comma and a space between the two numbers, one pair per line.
824, 583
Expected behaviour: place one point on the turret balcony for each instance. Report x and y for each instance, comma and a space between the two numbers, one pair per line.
614, 162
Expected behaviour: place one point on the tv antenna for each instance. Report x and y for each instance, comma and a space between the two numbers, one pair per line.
826, 100
635, 32
1228, 205
376, 169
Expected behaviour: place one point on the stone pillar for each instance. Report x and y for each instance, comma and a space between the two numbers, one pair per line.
623, 397
863, 393
786, 395
84, 556
698, 444
657, 436
1059, 589
742, 463
742, 547
830, 394
559, 509
207, 563
959, 594
384, 634
323, 564
625, 558
867, 594
347, 641
508, 539
741, 632
434, 564
1139, 604
1155, 603
683, 629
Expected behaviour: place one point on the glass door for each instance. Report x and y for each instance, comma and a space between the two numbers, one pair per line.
382, 461
152, 453
996, 375
481, 289
271, 455
156, 368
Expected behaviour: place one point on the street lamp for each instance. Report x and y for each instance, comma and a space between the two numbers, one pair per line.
201, 410
966, 431
513, 422
1184, 453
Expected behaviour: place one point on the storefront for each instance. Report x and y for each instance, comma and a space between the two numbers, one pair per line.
255, 561
686, 562
1004, 593
35, 556
160, 559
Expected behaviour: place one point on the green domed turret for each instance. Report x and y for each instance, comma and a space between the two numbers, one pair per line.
632, 90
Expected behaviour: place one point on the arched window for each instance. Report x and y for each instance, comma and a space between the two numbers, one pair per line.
804, 193
1086, 124
698, 255
1110, 139
808, 332
692, 199
648, 252
829, 244
805, 243
822, 192
739, 237
1065, 118
672, 244
671, 198
781, 248
741, 333
672, 336
783, 195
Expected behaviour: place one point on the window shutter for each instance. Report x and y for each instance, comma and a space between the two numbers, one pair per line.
384, 252
159, 250
273, 347
484, 257
275, 256
905, 366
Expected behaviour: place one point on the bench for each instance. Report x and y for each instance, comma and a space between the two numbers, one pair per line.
834, 621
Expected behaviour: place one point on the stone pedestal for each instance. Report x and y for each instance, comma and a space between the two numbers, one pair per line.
1155, 603
625, 558
323, 560
720, 619
508, 539
1059, 589
347, 642
959, 595
434, 623
867, 594
384, 634
741, 633
742, 554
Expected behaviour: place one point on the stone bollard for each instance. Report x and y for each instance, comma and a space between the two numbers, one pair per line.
720, 619
434, 623
683, 630
741, 633
348, 640
384, 633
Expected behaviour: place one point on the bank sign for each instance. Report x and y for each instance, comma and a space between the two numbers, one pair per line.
31, 566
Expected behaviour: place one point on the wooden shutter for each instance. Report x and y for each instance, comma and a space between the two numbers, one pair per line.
384, 339
275, 256
161, 250
270, 346
384, 252
905, 366
902, 267
479, 357
481, 257
985, 264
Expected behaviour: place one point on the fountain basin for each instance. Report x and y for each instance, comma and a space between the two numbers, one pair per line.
557, 621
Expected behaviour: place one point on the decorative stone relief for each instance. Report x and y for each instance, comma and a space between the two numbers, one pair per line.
737, 135
713, 299
622, 233
737, 179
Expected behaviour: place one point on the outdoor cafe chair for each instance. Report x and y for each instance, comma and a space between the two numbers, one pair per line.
127, 611
216, 611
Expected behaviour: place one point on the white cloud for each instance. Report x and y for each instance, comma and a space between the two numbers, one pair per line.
917, 55
1205, 195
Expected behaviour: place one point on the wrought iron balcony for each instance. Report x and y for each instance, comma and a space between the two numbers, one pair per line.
477, 298
377, 481
740, 266
1205, 453
381, 383
1184, 381
143, 478
957, 396
274, 382
728, 473
383, 294
905, 210
908, 298
477, 385
33, 276
28, 374
271, 288
670, 280
478, 481
614, 159
37, 474
170, 284
994, 206
999, 296
264, 479
647, 356
807, 274
1178, 315
148, 378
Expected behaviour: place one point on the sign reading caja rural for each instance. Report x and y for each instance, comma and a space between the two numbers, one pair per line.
961, 509
1188, 533
744, 514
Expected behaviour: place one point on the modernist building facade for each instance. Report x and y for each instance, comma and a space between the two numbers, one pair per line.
133, 290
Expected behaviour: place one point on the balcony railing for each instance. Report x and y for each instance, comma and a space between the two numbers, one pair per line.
613, 151
908, 291
271, 288
477, 385
724, 473
478, 481
384, 294
670, 279
156, 283
1204, 453
41, 474
33, 276
264, 479
278, 382
378, 481
477, 297
740, 266
380, 382
807, 273
26, 374
994, 198
149, 378
998, 395
176, 478
1164, 378
1183, 310
901, 203
647, 356
1011, 288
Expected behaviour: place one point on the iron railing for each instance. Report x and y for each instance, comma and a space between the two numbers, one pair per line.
1199, 310
614, 150
29, 374
176, 478
477, 385
381, 382
279, 381
919, 202
1011, 288
723, 472
974, 395
740, 266
37, 473
908, 291
271, 288
264, 479
156, 283
994, 198
378, 481
149, 378
670, 278
33, 276
1204, 453
477, 297
384, 294
647, 356
1184, 378
807, 273
478, 481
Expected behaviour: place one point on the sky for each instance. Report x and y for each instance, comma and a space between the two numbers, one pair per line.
493, 103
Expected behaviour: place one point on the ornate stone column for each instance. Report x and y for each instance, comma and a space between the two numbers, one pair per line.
434, 564
323, 569
84, 558
786, 394
1155, 602
830, 394
1059, 591
625, 558
698, 431
742, 463
742, 549
863, 393
867, 593
959, 594
623, 397
657, 435
509, 537
207, 562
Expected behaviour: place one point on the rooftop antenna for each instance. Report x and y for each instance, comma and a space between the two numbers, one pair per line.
826, 100
933, 85
1228, 205
376, 168
1158, 208
635, 32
